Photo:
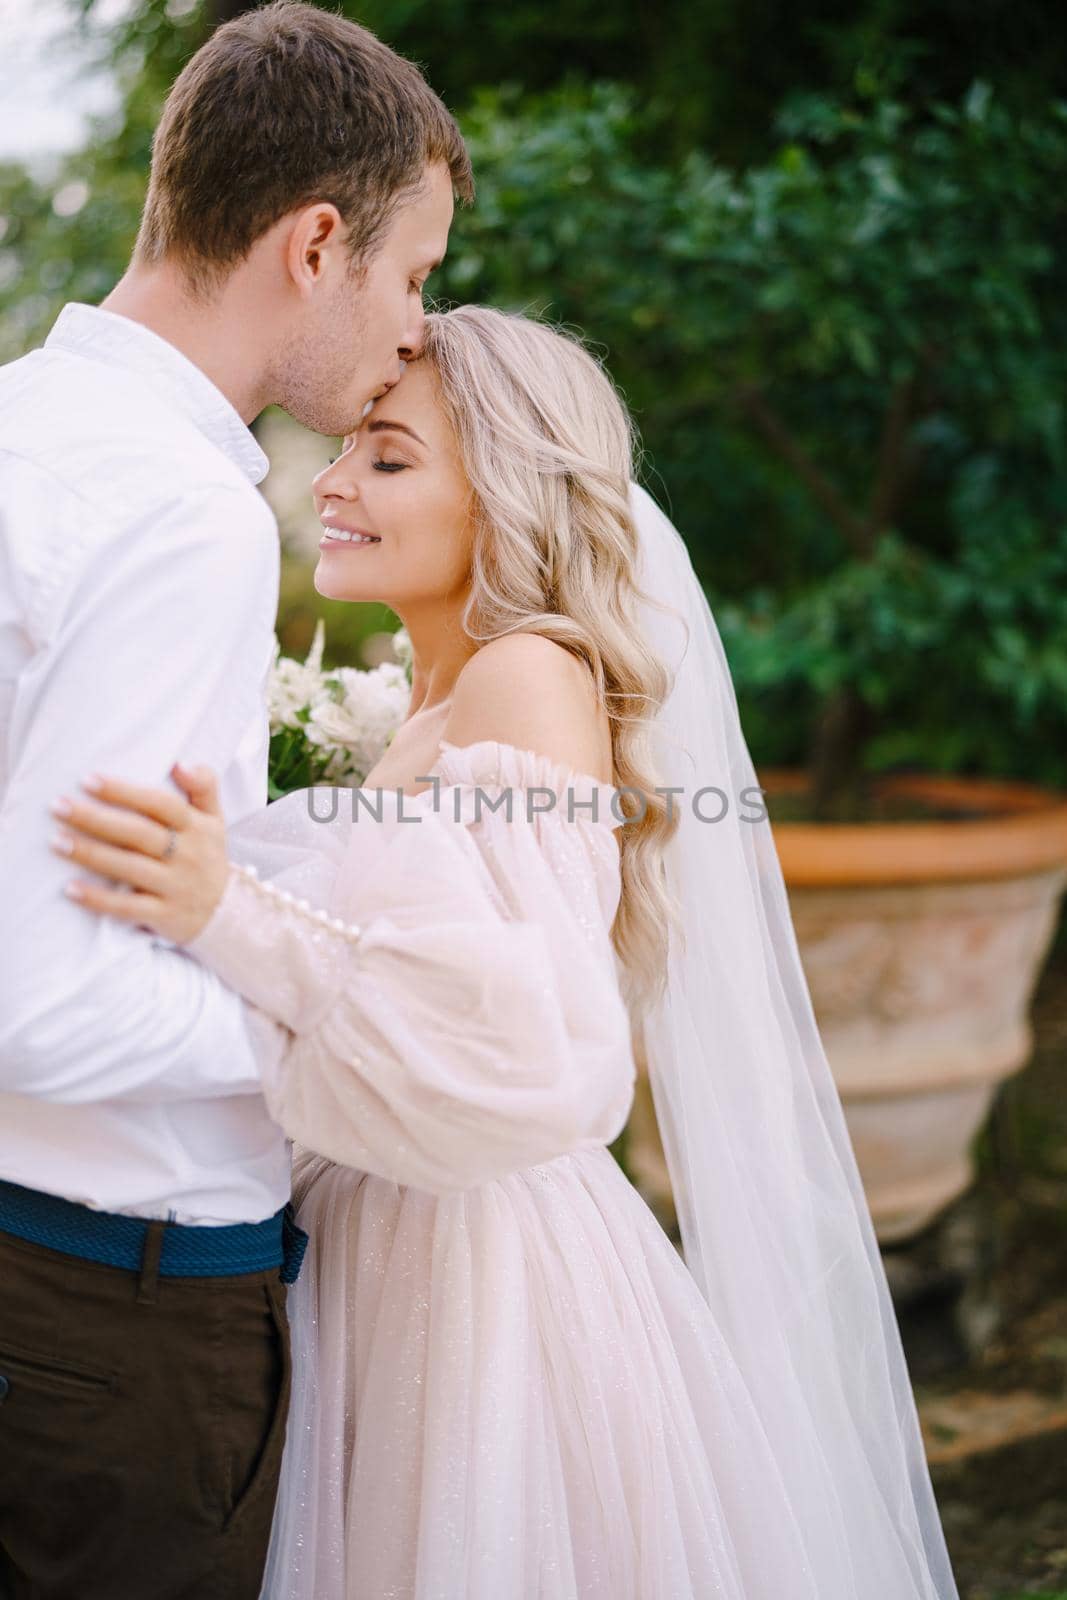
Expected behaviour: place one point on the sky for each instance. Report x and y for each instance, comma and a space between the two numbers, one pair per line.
48, 89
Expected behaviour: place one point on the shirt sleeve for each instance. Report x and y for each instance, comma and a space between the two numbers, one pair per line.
455, 1015
155, 655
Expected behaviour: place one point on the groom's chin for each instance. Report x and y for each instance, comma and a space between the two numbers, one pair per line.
332, 411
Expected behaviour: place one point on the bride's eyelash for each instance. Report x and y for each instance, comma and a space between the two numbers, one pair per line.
379, 466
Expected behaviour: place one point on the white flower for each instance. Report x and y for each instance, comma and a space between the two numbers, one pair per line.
313, 659
347, 715
288, 692
371, 707
402, 648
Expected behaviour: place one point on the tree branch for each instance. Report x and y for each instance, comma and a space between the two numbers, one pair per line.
895, 466
823, 491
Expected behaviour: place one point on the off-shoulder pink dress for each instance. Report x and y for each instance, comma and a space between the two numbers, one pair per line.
507, 1386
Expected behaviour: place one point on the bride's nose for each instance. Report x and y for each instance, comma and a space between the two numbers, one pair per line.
336, 481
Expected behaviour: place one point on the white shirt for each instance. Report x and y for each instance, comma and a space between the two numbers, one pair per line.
138, 594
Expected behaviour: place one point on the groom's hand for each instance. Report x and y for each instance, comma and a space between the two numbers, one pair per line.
167, 854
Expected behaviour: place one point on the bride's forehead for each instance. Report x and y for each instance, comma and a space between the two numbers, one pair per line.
415, 386
413, 402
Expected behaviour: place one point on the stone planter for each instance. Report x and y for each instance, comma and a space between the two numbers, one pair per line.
922, 943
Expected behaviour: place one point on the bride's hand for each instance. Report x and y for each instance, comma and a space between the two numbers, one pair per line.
170, 852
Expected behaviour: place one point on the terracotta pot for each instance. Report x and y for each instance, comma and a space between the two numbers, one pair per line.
922, 943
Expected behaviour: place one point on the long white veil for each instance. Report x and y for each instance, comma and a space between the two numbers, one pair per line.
775, 1226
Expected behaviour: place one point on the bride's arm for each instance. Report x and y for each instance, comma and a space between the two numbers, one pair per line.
438, 1038
438, 1044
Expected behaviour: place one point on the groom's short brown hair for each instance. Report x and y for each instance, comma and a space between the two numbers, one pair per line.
281, 107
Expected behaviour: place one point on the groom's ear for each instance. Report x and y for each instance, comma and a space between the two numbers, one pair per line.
317, 246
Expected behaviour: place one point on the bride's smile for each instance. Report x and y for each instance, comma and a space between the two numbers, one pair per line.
338, 535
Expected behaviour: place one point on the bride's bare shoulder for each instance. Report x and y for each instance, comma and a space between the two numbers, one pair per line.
531, 692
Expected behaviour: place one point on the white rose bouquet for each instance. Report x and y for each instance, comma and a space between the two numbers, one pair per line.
332, 727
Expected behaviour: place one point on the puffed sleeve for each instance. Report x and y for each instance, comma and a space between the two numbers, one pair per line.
445, 971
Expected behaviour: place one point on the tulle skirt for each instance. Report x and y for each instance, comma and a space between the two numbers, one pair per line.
515, 1392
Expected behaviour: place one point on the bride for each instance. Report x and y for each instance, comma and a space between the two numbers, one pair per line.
507, 1384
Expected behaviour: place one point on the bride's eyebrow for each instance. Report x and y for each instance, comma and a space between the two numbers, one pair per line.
381, 425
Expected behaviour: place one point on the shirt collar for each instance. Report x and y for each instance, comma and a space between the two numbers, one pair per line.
105, 336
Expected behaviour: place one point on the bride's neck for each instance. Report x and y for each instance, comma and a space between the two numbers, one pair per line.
440, 651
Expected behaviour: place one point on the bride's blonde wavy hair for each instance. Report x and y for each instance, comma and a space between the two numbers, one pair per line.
548, 449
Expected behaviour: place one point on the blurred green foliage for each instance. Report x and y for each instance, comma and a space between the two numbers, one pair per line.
849, 366
716, 71
824, 262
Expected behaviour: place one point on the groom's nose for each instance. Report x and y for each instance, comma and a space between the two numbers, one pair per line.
411, 344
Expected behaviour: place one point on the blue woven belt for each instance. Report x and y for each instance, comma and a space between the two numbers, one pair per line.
117, 1241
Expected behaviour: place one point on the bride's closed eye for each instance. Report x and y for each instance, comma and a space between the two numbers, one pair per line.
389, 466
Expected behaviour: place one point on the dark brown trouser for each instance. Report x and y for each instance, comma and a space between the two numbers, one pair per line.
142, 1421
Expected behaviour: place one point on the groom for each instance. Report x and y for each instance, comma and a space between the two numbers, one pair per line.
301, 192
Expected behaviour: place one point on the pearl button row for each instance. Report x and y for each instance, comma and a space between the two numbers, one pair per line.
347, 930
